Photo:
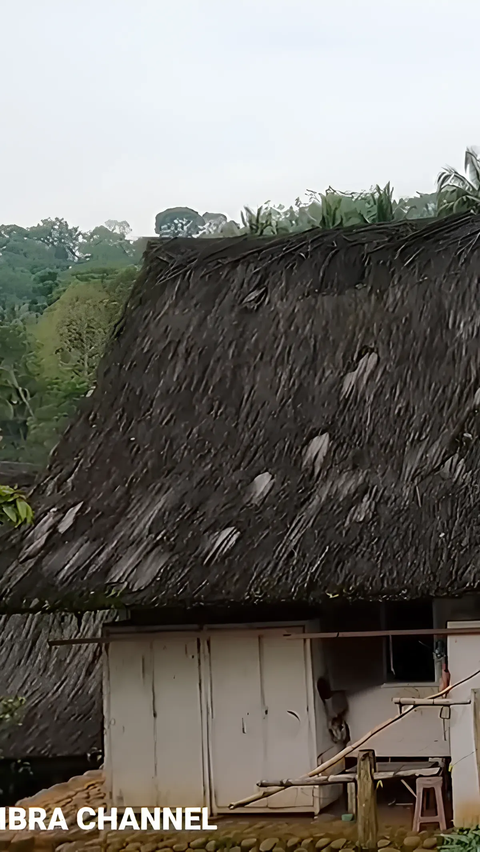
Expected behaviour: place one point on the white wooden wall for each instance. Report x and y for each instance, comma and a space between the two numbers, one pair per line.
154, 724
357, 666
261, 724
464, 660
422, 734
193, 723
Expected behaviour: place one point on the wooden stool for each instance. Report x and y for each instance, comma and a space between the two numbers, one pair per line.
435, 784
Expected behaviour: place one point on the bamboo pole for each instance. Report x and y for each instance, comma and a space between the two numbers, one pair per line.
367, 818
256, 797
369, 634
126, 634
428, 702
348, 777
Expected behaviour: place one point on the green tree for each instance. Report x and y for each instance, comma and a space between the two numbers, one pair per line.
117, 282
118, 227
377, 205
423, 205
459, 193
104, 246
73, 332
16, 381
46, 284
214, 222
331, 209
54, 404
60, 294
19, 250
15, 285
28, 252
58, 235
179, 222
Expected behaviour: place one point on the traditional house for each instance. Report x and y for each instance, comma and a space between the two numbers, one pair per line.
283, 442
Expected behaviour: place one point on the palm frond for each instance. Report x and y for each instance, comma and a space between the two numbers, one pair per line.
457, 192
472, 167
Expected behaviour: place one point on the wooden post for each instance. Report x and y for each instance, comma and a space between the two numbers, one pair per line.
352, 798
476, 728
367, 820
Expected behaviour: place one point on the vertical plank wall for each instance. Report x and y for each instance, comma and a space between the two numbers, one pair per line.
129, 724
153, 723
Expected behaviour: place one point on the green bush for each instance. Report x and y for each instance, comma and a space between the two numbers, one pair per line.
14, 509
462, 840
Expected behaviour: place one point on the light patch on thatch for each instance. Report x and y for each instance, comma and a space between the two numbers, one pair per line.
69, 518
364, 510
36, 539
357, 379
316, 452
260, 488
221, 543
453, 468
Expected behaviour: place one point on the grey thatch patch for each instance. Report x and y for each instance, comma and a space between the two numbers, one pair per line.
18, 475
62, 716
368, 336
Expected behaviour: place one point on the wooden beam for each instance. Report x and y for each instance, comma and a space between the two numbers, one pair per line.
319, 781
207, 634
367, 818
349, 777
129, 633
369, 634
427, 702
89, 640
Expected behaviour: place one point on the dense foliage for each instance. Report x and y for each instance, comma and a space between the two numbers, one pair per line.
61, 290
462, 840
14, 509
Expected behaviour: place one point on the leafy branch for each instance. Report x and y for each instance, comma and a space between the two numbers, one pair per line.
11, 709
14, 509
462, 840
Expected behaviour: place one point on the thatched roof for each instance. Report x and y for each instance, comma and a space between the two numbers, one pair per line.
18, 475
62, 714
280, 420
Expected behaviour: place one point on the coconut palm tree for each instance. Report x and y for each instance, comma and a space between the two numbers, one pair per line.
459, 193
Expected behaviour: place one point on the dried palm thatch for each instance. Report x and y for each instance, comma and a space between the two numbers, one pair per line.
62, 714
276, 420
18, 475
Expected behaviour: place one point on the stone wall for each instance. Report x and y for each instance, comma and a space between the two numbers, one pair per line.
241, 834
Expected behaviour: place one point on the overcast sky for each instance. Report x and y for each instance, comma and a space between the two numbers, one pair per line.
120, 108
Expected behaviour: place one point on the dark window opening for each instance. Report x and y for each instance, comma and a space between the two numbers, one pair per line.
409, 659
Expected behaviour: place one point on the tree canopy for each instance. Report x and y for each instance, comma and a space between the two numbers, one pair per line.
61, 292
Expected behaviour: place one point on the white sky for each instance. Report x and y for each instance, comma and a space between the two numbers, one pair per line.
118, 109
